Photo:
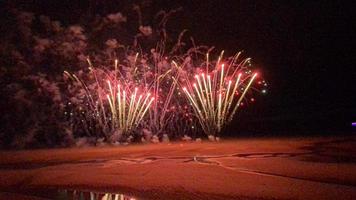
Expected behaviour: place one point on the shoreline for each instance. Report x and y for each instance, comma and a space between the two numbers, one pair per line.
258, 168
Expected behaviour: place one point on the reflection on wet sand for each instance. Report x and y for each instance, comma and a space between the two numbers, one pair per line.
87, 195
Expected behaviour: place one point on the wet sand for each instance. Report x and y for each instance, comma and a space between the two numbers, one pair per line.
274, 168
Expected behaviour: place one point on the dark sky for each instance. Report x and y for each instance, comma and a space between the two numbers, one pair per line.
303, 49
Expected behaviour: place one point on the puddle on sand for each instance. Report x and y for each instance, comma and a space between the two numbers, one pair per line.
67, 194
90, 195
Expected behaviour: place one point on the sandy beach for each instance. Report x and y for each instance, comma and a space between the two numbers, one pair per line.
267, 168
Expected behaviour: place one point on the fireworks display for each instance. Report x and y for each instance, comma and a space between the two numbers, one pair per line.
153, 92
113, 106
217, 95
214, 95
166, 89
127, 111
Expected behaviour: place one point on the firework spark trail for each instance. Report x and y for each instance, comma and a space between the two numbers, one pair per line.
115, 104
163, 88
127, 111
215, 96
215, 101
127, 108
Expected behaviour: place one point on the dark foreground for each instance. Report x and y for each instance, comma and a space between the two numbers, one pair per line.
294, 168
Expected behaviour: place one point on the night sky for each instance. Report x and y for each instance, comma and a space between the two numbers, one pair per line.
303, 50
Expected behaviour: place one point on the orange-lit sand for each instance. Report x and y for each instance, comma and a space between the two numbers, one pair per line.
297, 168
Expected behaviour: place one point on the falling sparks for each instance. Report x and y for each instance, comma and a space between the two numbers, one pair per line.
178, 102
127, 111
215, 96
119, 109
149, 88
